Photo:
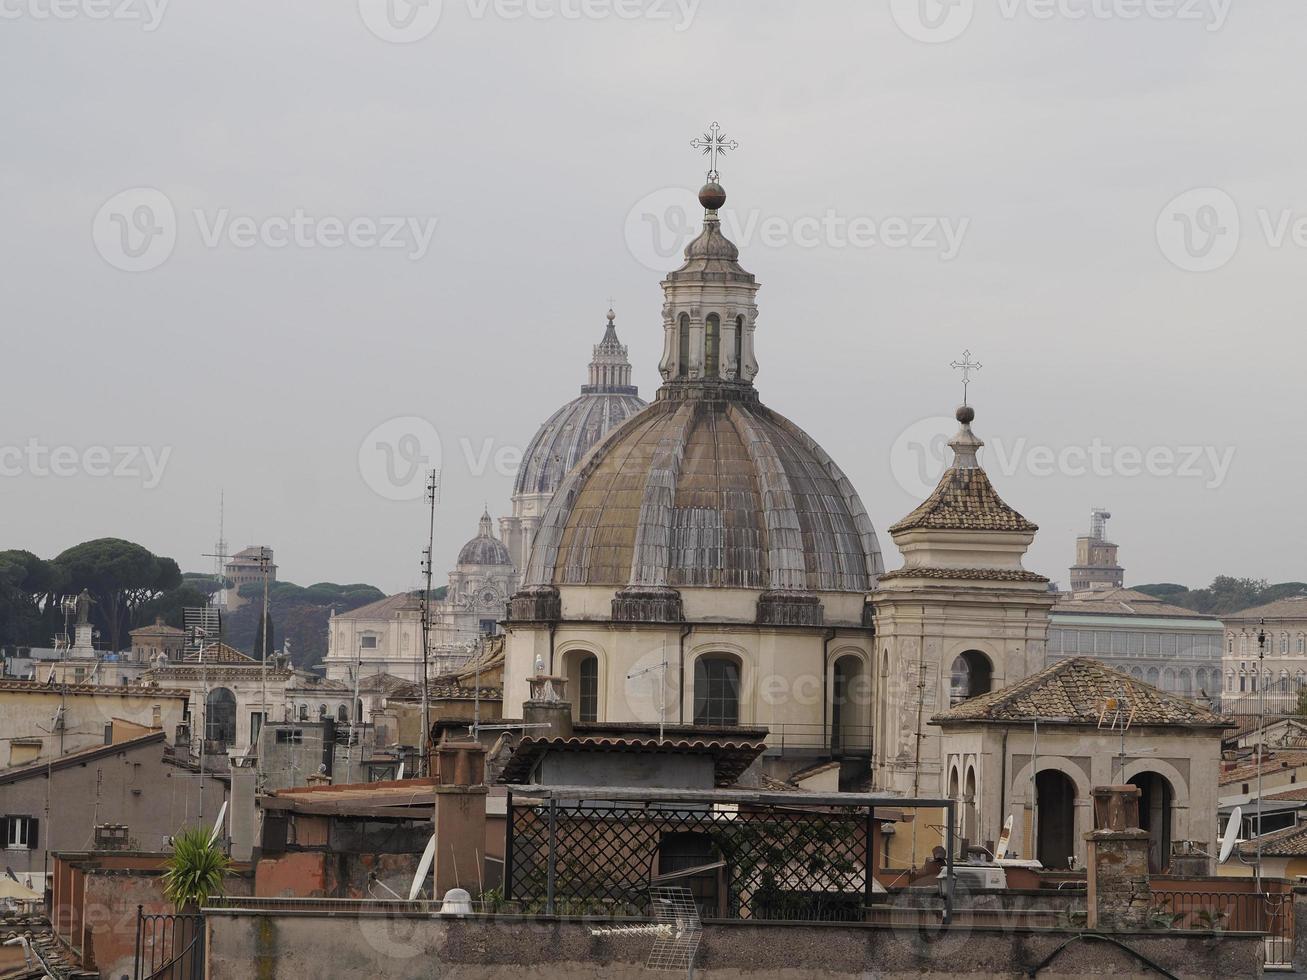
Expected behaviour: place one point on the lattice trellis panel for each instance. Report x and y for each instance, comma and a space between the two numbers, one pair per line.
779, 864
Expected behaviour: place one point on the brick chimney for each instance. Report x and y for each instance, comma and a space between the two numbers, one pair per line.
459, 817
1119, 896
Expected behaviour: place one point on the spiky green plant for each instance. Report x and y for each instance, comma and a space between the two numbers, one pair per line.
196, 870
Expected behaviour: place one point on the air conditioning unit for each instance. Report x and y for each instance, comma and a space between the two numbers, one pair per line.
978, 877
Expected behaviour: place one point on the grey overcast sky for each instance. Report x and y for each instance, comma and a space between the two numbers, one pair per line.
1101, 199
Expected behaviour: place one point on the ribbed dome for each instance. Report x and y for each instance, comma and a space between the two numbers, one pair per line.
605, 403
710, 490
485, 548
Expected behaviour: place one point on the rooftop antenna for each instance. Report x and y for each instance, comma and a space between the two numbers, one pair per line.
217, 824
220, 554
1098, 518
1231, 834
662, 687
1000, 850
424, 869
433, 497
677, 929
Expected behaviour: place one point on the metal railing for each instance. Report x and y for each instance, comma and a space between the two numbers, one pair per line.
1270, 912
169, 947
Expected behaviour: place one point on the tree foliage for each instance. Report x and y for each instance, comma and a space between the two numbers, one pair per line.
121, 577
1225, 595
300, 613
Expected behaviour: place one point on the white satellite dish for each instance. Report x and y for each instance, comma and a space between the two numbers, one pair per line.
1000, 852
217, 824
424, 869
1231, 834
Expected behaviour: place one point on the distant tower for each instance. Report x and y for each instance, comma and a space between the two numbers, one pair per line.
1096, 565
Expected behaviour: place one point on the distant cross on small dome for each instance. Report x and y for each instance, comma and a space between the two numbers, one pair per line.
714, 144
966, 366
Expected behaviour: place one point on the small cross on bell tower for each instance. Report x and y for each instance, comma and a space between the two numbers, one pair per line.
966, 366
714, 144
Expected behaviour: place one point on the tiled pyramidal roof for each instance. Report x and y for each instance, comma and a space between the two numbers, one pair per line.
1074, 691
965, 500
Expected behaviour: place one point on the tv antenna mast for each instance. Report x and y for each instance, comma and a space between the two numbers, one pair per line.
677, 929
433, 497
661, 667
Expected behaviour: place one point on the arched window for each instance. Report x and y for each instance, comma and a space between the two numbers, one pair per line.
1302, 643
1152, 676
972, 674
322, 711
1229, 643
683, 347
304, 712
342, 713
220, 716
588, 688
739, 347
712, 346
716, 691
1284, 682
1284, 643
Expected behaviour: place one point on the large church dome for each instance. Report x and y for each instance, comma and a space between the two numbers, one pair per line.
607, 401
707, 487
704, 491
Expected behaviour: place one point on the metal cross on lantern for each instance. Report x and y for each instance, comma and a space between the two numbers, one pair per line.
714, 144
966, 365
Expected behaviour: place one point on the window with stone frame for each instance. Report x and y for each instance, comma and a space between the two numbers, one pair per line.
716, 691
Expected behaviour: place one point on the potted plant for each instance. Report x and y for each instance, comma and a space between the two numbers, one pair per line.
197, 869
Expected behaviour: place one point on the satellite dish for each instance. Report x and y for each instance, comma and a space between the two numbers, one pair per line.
1000, 852
217, 824
1231, 834
424, 869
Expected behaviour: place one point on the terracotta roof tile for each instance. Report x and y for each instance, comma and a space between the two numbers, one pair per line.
1294, 607
1272, 762
1290, 842
965, 500
1073, 691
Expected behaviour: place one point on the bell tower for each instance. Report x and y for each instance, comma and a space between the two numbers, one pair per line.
709, 305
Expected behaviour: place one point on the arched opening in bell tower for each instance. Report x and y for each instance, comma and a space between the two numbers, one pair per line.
972, 674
